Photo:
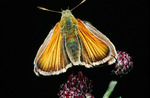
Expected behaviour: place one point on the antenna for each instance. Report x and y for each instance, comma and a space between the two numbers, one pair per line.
42, 8
78, 5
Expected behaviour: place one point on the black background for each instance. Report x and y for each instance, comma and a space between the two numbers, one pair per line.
24, 28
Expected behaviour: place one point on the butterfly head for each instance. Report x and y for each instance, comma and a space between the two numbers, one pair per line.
67, 17
66, 14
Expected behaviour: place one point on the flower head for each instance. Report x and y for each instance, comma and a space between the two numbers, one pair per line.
123, 64
77, 86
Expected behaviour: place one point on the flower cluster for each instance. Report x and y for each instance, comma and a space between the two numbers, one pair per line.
123, 64
77, 86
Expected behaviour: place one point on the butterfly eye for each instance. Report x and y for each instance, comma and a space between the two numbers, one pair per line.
67, 11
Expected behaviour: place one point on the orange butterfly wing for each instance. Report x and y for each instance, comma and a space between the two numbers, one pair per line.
93, 50
51, 57
100, 35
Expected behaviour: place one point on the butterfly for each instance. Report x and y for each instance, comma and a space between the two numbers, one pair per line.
72, 42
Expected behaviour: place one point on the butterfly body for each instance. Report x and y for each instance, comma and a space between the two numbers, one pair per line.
69, 31
73, 42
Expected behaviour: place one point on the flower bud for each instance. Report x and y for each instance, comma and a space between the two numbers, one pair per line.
77, 86
123, 65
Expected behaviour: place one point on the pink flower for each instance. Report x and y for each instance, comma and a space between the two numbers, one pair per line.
123, 64
77, 86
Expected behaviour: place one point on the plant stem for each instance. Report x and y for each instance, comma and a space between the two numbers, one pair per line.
110, 89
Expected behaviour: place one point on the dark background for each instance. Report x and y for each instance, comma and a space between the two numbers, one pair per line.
24, 28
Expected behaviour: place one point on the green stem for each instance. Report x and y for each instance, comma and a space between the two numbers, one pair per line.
110, 89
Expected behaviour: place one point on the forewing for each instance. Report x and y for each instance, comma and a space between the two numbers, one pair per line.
94, 51
51, 57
